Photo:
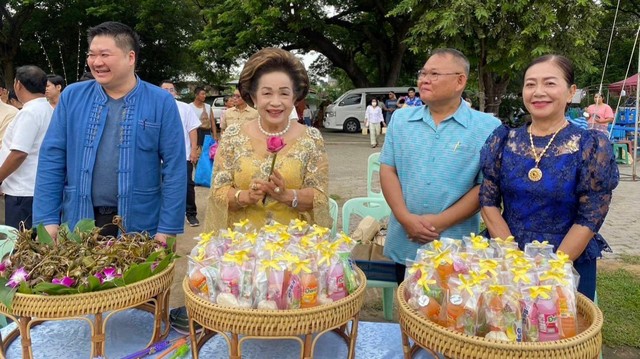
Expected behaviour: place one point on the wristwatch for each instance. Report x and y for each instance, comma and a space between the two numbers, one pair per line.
294, 202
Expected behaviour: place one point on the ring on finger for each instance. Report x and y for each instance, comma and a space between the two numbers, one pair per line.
277, 190
254, 186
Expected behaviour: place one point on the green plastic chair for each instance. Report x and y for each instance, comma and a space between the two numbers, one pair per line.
333, 211
377, 208
8, 238
373, 166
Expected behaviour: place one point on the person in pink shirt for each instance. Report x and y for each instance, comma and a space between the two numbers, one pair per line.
600, 115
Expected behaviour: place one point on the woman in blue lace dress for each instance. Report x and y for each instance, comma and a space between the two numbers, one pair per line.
553, 178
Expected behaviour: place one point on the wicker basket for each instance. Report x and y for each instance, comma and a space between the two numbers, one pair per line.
433, 337
151, 294
256, 323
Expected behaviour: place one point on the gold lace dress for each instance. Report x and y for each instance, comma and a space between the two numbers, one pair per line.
303, 163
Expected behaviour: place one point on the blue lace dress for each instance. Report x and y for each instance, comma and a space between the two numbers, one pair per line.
579, 173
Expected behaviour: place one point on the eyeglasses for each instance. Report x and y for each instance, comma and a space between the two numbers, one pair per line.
433, 76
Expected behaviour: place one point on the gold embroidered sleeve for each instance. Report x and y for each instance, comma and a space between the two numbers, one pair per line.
317, 177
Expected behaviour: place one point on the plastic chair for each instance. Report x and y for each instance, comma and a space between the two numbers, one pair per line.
378, 209
373, 165
333, 211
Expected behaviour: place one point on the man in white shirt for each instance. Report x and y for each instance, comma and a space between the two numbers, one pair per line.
190, 124
21, 145
203, 111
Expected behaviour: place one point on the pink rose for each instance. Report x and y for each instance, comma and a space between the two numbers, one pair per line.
212, 151
275, 144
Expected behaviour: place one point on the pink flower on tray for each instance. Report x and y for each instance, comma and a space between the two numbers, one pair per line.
108, 274
66, 281
275, 144
4, 265
19, 276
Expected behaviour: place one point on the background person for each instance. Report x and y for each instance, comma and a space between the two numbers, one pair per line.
190, 125
600, 115
204, 113
55, 85
388, 106
112, 147
553, 178
272, 80
411, 99
20, 151
430, 161
373, 120
240, 113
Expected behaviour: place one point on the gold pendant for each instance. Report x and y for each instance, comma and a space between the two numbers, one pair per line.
535, 174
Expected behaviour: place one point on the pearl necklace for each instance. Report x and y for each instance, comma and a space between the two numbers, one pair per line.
275, 134
535, 174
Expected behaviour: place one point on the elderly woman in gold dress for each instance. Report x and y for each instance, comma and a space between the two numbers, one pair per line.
272, 81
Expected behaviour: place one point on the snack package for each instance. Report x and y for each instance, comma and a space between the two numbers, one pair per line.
540, 313
350, 277
500, 315
502, 245
461, 305
425, 294
541, 252
229, 284
479, 246
246, 285
197, 278
566, 300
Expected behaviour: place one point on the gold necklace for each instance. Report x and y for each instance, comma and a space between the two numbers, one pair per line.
535, 174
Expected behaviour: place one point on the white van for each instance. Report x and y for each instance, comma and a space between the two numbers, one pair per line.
347, 112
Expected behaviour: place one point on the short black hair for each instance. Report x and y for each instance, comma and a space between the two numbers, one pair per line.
198, 89
126, 39
86, 76
564, 64
32, 78
56, 80
12, 95
167, 82
411, 89
457, 55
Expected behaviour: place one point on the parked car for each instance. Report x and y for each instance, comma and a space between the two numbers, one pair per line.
347, 112
217, 105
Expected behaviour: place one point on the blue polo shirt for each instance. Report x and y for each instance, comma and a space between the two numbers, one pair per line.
436, 166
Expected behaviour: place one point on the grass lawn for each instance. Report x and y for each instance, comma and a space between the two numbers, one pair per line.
619, 300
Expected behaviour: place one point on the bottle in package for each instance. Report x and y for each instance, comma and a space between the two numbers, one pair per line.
229, 283
336, 288
461, 305
566, 299
293, 293
540, 313
426, 295
500, 316
309, 282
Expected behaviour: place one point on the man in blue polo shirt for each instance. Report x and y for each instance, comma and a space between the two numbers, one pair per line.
430, 162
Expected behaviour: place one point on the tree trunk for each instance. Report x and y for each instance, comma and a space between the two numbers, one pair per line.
495, 87
8, 73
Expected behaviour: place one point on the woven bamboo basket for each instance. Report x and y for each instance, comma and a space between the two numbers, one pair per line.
151, 294
257, 323
436, 338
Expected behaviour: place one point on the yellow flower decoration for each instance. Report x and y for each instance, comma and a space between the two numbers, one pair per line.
242, 223
238, 257
541, 291
556, 276
542, 244
441, 258
497, 289
306, 241
272, 228
270, 263
201, 254
513, 253
501, 241
298, 224
273, 247
424, 282
205, 238
415, 267
284, 237
466, 284
345, 238
521, 276
489, 266
252, 237
522, 262
562, 256
301, 265
319, 231
478, 277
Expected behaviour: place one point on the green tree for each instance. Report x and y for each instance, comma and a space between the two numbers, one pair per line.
54, 37
500, 37
355, 36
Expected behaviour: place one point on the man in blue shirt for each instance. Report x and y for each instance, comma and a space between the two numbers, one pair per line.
112, 149
411, 100
430, 161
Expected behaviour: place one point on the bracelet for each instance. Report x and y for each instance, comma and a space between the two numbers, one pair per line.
237, 196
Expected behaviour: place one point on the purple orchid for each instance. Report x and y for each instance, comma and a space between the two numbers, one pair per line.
108, 274
66, 281
20, 275
154, 265
4, 265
